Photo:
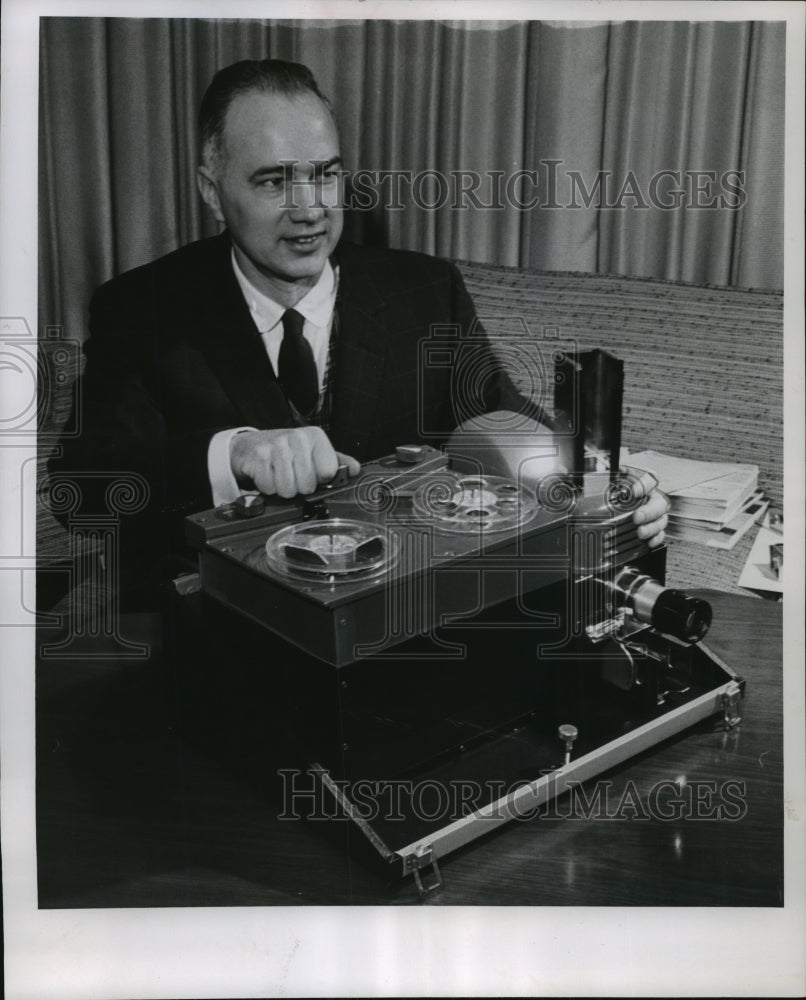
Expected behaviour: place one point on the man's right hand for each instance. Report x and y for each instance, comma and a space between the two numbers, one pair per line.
286, 461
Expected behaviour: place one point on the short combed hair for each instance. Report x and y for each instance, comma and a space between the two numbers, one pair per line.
273, 76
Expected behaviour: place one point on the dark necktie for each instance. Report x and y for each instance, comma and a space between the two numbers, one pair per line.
296, 366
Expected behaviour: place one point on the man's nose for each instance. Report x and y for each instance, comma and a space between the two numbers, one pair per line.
308, 202
309, 213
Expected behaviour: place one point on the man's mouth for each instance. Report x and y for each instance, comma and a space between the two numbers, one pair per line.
305, 241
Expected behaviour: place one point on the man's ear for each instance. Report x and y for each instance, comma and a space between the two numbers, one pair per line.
209, 191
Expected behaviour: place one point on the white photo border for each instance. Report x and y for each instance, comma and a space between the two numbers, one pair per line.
256, 951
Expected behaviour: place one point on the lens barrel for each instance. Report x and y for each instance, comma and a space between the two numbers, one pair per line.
677, 614
669, 611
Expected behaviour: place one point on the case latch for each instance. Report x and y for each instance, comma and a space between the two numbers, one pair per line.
731, 701
417, 864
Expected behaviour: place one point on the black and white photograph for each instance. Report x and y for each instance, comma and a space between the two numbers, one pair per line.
402, 418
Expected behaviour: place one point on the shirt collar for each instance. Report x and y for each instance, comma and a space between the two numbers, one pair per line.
316, 306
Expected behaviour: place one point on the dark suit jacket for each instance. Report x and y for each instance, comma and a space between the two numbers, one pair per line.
174, 356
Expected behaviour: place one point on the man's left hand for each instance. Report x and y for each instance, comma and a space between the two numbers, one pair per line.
652, 518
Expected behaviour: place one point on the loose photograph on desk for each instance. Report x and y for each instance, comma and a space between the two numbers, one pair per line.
395, 465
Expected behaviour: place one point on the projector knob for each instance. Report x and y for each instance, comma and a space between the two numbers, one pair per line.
410, 454
567, 734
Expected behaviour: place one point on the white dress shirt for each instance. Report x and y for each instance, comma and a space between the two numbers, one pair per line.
316, 308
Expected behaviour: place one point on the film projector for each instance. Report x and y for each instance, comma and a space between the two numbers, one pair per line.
463, 620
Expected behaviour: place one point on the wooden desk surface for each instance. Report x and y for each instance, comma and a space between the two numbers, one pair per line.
130, 815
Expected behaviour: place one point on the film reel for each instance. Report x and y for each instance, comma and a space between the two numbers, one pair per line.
333, 550
464, 504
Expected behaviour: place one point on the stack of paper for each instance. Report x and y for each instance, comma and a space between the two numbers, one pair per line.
714, 503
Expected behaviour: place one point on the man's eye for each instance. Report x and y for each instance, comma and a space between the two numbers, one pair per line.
327, 176
272, 183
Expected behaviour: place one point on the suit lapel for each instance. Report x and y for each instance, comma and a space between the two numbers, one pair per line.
360, 359
233, 347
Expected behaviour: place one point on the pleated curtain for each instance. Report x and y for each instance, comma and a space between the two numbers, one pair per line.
431, 104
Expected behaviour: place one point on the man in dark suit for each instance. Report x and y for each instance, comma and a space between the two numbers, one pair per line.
264, 357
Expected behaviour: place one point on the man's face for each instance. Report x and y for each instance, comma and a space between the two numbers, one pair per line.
283, 231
